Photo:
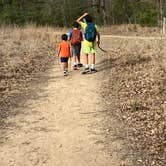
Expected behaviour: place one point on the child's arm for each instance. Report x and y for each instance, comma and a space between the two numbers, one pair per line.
70, 55
98, 38
58, 52
81, 36
59, 49
81, 17
69, 35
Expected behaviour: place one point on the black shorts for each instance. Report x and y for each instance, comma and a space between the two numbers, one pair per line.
76, 49
64, 59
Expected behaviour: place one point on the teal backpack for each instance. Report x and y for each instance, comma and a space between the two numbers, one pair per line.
90, 32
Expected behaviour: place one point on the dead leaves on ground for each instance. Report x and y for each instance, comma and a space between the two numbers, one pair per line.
137, 97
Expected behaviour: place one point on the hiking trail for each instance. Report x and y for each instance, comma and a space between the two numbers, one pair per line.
61, 125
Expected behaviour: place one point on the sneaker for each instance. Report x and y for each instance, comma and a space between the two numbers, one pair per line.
75, 67
65, 73
93, 70
80, 65
86, 70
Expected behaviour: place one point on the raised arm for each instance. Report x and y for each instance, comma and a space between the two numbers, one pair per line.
81, 17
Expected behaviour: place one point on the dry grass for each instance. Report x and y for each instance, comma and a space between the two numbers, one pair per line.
23, 52
131, 30
135, 91
137, 96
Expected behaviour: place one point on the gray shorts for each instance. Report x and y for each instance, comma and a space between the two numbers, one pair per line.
76, 49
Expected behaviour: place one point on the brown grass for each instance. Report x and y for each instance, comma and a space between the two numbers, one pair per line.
135, 90
137, 96
23, 52
131, 30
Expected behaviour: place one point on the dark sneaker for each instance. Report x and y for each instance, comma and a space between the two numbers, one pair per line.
93, 70
86, 70
80, 65
65, 73
75, 67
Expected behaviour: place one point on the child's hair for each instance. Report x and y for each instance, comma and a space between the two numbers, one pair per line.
75, 25
64, 37
88, 19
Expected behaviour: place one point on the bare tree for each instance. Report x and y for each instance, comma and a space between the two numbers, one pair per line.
160, 7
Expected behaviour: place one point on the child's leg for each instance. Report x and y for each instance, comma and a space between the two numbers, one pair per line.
86, 61
87, 51
79, 53
93, 56
78, 59
74, 60
74, 56
64, 61
66, 66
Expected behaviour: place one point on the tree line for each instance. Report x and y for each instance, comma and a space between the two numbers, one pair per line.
64, 12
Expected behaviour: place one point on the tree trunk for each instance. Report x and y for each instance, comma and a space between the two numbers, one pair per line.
103, 11
160, 12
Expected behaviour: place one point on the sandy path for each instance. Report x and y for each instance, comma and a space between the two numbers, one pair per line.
60, 128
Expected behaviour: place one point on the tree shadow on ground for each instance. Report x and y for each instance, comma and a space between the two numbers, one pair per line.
134, 61
119, 62
106, 64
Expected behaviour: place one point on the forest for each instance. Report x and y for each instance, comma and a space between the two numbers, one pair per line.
114, 117
64, 12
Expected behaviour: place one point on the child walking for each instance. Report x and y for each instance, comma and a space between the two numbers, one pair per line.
64, 53
75, 38
90, 43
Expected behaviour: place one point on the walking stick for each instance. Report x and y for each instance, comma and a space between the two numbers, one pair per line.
102, 49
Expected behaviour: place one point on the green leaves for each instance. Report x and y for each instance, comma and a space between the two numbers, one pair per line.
65, 12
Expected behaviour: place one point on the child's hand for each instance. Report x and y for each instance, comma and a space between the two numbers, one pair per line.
85, 14
98, 42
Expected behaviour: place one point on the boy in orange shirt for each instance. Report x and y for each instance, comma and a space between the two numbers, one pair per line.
64, 53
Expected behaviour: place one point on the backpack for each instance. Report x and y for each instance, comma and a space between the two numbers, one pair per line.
90, 32
76, 37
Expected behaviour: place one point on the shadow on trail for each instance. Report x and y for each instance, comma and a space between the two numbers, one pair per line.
135, 60
106, 64
120, 62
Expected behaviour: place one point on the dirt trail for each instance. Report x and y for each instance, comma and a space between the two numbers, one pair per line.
62, 127
135, 37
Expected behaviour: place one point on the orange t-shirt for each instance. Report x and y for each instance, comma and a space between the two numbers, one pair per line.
64, 48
